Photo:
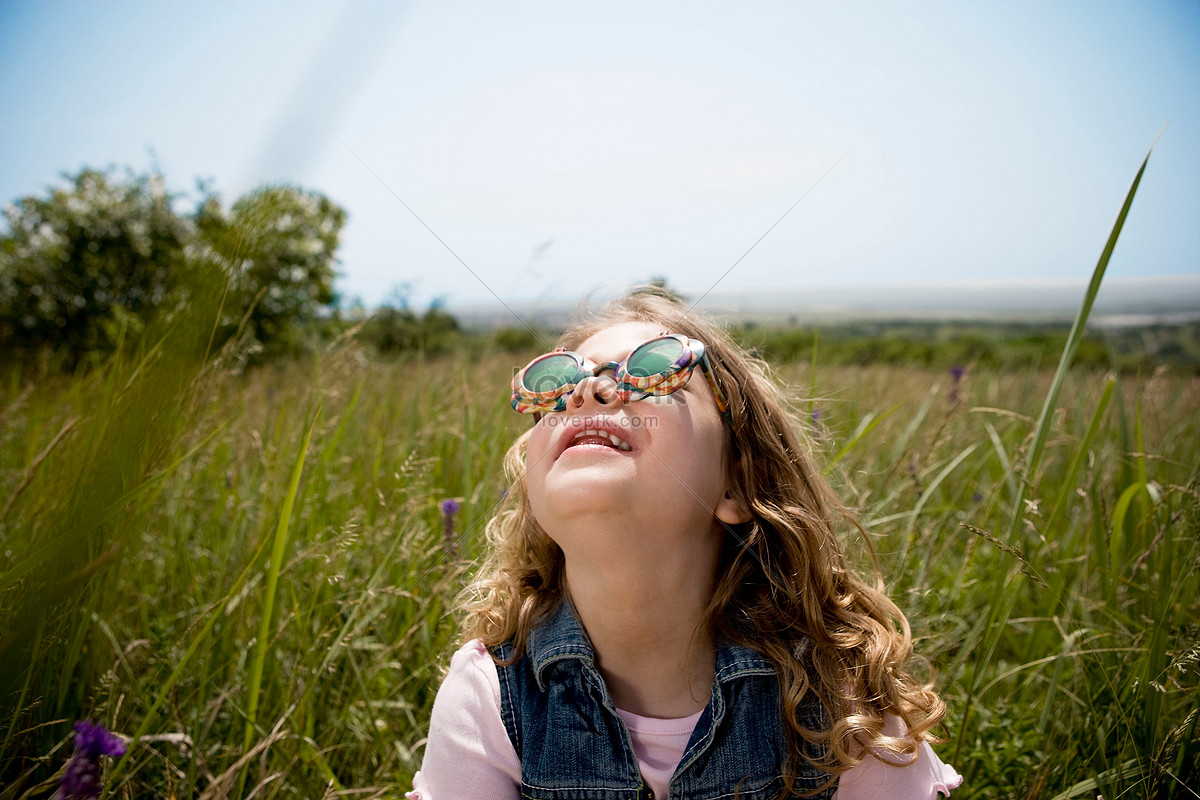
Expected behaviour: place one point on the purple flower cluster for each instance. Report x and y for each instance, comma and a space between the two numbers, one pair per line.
81, 779
956, 375
449, 509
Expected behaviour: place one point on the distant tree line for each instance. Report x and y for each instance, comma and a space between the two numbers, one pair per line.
94, 262
395, 327
988, 345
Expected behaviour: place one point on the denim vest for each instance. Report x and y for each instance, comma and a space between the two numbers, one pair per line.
573, 746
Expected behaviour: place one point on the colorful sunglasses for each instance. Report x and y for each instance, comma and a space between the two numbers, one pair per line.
653, 369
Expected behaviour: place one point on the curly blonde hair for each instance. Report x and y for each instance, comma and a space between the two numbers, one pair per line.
783, 577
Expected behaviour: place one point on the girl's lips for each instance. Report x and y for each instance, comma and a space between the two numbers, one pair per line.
601, 438
593, 448
594, 432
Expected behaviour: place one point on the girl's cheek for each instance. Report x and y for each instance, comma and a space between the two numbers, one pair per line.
539, 440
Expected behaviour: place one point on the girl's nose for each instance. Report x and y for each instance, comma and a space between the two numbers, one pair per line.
599, 388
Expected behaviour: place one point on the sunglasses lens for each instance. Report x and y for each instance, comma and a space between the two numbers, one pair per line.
654, 357
550, 373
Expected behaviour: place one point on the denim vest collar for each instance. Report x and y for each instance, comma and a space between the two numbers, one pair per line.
560, 637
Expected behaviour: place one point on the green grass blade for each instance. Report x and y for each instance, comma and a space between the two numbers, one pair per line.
1116, 541
278, 549
934, 484
910, 431
865, 426
1034, 460
1002, 456
1187, 742
812, 375
200, 637
39, 555
909, 528
1081, 453
1088, 787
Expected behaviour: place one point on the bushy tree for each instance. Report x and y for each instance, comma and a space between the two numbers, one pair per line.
394, 331
278, 246
106, 254
79, 264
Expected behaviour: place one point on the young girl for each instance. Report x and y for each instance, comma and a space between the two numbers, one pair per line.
665, 610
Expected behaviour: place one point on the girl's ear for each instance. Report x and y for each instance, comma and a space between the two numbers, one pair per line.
731, 511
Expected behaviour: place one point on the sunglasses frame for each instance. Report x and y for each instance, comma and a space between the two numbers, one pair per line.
630, 387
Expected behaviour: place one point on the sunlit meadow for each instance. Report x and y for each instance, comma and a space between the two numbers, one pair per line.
249, 574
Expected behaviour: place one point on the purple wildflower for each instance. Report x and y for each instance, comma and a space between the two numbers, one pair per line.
81, 779
956, 375
450, 507
816, 414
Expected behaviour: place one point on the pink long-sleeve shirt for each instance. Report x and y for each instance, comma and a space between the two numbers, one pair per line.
469, 754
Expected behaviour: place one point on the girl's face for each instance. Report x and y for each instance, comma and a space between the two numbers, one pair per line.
645, 469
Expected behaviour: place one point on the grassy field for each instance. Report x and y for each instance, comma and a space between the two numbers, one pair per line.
250, 574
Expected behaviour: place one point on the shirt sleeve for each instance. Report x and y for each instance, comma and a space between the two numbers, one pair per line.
876, 778
468, 754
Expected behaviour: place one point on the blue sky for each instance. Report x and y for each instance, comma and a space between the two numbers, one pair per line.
562, 148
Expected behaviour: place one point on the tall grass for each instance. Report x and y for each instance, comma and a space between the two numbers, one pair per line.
259, 596
1090, 676
1090, 672
165, 637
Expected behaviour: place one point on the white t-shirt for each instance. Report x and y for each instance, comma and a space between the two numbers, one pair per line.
469, 755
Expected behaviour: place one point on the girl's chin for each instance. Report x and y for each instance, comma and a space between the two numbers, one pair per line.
577, 497
593, 468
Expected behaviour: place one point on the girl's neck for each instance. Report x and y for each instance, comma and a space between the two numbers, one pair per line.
648, 627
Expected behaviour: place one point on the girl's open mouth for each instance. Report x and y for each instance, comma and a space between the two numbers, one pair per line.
594, 436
